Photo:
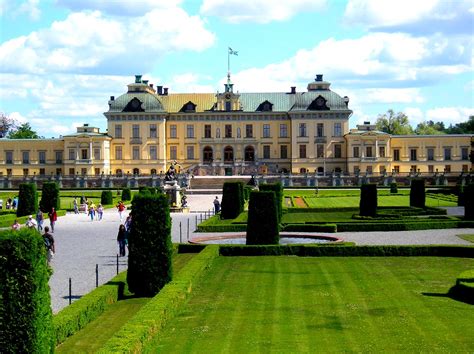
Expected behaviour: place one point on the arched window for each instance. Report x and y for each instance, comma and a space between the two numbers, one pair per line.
228, 154
136, 171
303, 170
118, 172
320, 170
249, 153
153, 171
207, 155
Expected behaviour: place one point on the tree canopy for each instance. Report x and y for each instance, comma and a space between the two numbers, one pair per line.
24, 131
430, 128
394, 123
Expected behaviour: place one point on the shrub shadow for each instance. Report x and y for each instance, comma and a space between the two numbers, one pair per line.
456, 293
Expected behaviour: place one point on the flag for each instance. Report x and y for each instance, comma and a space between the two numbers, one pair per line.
233, 52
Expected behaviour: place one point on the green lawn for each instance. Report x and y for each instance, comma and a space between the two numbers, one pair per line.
469, 238
302, 305
98, 332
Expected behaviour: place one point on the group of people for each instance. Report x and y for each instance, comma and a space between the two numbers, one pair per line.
93, 211
12, 203
33, 223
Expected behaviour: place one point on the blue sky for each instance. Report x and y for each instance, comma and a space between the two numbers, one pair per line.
60, 60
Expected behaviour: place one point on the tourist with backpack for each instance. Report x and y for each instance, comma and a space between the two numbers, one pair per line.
53, 217
49, 244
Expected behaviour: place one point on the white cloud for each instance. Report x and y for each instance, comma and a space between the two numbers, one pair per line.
17, 116
119, 7
421, 16
191, 83
89, 42
447, 115
259, 11
30, 8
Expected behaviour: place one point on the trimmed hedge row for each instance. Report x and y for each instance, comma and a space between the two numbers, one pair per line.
469, 202
81, 312
368, 200
417, 193
222, 228
311, 227
25, 304
134, 335
403, 226
329, 250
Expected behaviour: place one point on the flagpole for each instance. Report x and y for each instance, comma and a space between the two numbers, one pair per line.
228, 61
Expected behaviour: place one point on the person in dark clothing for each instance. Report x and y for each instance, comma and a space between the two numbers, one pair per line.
49, 244
121, 237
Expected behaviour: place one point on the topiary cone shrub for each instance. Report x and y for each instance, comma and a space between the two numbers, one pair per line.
393, 188
278, 189
106, 198
232, 200
27, 199
417, 193
126, 194
50, 197
469, 202
263, 224
368, 200
460, 193
25, 305
149, 244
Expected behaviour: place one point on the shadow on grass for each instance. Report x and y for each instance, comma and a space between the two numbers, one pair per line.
456, 293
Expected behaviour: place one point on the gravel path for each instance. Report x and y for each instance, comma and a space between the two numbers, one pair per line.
81, 244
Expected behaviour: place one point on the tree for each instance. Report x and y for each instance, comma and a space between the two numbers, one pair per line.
394, 123
462, 128
430, 128
24, 131
6, 124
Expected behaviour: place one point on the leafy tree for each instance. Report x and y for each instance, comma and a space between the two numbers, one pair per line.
430, 128
24, 131
394, 123
6, 124
462, 128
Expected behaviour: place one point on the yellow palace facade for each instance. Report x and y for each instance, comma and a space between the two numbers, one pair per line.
232, 133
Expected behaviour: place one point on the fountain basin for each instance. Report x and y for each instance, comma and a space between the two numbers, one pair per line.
285, 239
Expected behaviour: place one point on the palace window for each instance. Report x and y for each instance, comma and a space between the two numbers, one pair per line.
173, 131
413, 156
249, 154
42, 157
228, 106
249, 131
118, 153
9, 157
413, 168
153, 131
59, 156
283, 151
228, 131
190, 131
207, 131
266, 151
464, 154
337, 151
25, 157
266, 130
136, 153
465, 168
207, 155
320, 130
302, 129
96, 154
447, 153
118, 131
430, 153
84, 154
355, 151
97, 171
302, 151
382, 151
173, 152
430, 168
190, 152
153, 152
447, 168
228, 154
72, 172
396, 155
368, 151
135, 131
396, 169
72, 154
337, 129
25, 172
283, 131
356, 169
320, 151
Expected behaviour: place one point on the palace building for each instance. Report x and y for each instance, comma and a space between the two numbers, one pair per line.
232, 133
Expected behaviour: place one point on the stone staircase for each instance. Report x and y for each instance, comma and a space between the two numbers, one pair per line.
213, 184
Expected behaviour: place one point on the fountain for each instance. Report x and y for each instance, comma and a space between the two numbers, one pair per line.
286, 238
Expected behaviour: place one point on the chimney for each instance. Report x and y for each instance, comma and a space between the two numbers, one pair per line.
159, 90
112, 98
151, 85
346, 100
319, 77
293, 89
138, 79
165, 91
145, 82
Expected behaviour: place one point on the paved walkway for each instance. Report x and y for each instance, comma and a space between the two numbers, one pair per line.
81, 244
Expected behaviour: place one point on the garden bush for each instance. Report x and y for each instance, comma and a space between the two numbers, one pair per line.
263, 222
393, 188
152, 317
27, 200
465, 284
90, 306
247, 191
25, 305
311, 227
50, 197
232, 200
460, 194
469, 202
417, 193
150, 247
368, 200
402, 225
106, 198
278, 189
126, 194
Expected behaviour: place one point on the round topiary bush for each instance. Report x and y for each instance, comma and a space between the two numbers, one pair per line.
368, 200
263, 223
393, 188
106, 198
417, 193
50, 197
27, 199
126, 194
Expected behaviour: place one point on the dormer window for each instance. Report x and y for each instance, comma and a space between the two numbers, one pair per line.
188, 107
135, 105
265, 107
318, 104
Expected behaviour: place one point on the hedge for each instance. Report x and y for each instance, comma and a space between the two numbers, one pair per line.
263, 222
343, 250
417, 193
134, 335
232, 200
368, 200
50, 197
460, 194
222, 228
126, 194
90, 306
278, 189
150, 247
393, 188
403, 226
27, 199
25, 305
311, 227
469, 202
247, 191
466, 279
106, 198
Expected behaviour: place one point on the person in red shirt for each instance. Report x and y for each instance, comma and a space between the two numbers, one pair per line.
52, 218
121, 208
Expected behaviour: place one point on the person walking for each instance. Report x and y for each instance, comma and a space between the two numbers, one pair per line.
121, 239
76, 208
39, 220
49, 243
91, 212
121, 208
217, 205
16, 225
53, 217
100, 211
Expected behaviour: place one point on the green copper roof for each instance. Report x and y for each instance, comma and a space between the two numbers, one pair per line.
304, 99
282, 102
150, 102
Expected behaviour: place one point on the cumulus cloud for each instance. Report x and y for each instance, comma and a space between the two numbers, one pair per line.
258, 11
416, 17
30, 8
447, 115
119, 7
89, 42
